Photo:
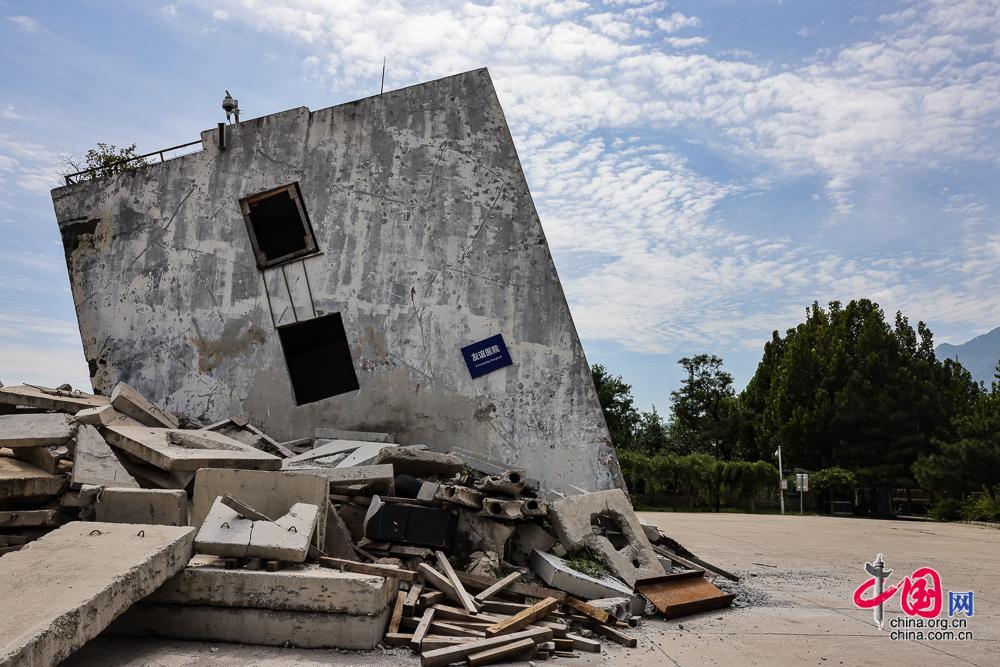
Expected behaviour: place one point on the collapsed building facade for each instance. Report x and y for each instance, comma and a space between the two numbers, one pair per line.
377, 265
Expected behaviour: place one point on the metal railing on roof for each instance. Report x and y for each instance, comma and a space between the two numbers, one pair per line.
76, 177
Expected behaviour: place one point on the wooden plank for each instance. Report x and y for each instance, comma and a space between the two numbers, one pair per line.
615, 635
422, 628
587, 610
366, 568
487, 593
527, 616
584, 643
397, 612
489, 656
563, 644
479, 582
397, 638
501, 607
467, 601
432, 642
412, 600
274, 565
432, 597
439, 581
446, 656
694, 563
455, 613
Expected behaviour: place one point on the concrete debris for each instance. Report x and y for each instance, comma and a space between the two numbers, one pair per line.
508, 482
34, 430
131, 403
95, 463
308, 545
225, 533
605, 523
164, 507
52, 606
418, 462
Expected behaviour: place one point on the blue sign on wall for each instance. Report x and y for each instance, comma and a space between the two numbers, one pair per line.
486, 356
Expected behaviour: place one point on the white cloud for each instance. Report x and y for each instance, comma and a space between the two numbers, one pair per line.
24, 23
220, 15
677, 21
9, 113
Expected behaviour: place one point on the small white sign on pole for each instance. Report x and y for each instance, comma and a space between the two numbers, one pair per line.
802, 481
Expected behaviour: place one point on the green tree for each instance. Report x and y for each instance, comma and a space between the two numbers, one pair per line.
844, 388
617, 405
106, 160
703, 408
970, 462
833, 480
650, 434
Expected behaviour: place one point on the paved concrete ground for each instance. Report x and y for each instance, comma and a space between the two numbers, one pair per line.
800, 572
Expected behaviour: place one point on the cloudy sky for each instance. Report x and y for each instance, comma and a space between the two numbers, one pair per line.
703, 170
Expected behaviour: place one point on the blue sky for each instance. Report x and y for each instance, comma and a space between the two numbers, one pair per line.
703, 170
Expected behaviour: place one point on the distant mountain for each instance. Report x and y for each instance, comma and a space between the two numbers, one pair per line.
980, 355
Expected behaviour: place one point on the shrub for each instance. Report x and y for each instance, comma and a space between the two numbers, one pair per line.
946, 509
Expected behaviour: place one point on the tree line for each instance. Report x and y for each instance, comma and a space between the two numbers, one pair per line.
861, 402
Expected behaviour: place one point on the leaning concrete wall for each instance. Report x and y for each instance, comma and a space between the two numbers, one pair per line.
429, 241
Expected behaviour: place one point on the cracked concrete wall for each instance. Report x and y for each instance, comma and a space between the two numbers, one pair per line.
429, 241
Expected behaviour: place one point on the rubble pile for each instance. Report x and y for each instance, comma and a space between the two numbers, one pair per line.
343, 539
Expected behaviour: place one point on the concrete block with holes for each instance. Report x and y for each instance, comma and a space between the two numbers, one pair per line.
605, 522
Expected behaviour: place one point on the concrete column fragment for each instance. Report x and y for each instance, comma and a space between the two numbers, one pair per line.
557, 573
506, 510
460, 495
420, 462
163, 507
52, 606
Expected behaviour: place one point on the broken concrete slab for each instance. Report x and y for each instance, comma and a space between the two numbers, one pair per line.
185, 452
28, 518
20, 479
479, 462
420, 462
337, 541
605, 522
49, 458
270, 492
533, 507
364, 455
104, 415
377, 478
527, 538
130, 402
364, 436
478, 533
225, 533
151, 477
162, 507
557, 573
241, 431
50, 399
428, 490
286, 538
34, 430
306, 587
48, 617
460, 495
94, 462
252, 626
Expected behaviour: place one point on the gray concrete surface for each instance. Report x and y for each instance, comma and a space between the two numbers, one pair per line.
428, 241
163, 507
803, 614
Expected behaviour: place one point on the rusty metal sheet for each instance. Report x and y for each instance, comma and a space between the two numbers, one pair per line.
682, 594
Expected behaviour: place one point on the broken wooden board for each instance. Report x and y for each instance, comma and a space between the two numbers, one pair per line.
684, 593
20, 479
34, 430
480, 582
446, 656
50, 399
535, 612
186, 453
52, 607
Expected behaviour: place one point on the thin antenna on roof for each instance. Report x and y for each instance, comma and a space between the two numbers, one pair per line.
381, 88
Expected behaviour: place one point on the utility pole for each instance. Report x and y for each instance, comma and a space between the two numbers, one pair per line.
781, 480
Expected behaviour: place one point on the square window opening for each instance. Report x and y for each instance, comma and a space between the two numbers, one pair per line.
278, 225
318, 358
